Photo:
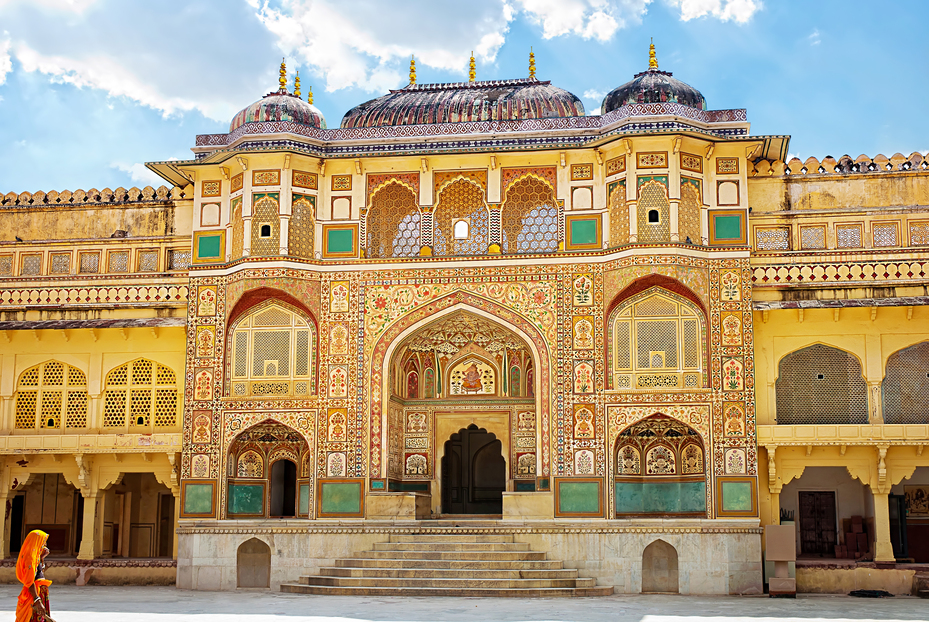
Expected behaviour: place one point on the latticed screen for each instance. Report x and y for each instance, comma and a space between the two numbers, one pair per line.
689, 214
530, 218
301, 228
271, 347
140, 393
393, 223
118, 261
821, 385
461, 201
906, 386
49, 395
266, 227
619, 215
656, 339
653, 201
238, 229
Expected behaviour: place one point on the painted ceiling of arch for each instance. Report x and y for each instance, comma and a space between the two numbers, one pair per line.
655, 428
270, 433
451, 334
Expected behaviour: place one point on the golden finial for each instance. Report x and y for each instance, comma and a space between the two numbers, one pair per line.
412, 70
297, 84
652, 60
531, 64
283, 79
309, 96
472, 74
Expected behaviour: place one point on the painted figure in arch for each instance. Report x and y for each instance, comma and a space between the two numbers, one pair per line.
471, 383
32, 605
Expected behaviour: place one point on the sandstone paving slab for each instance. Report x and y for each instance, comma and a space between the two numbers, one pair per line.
164, 604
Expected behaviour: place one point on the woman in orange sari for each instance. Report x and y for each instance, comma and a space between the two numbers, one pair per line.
32, 605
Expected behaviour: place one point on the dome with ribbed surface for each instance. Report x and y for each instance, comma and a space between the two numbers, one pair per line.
492, 100
279, 106
653, 87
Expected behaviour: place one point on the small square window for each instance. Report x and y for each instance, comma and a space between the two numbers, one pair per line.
653, 216
265, 231
461, 229
820, 376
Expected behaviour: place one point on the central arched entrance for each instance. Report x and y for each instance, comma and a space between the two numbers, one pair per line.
473, 473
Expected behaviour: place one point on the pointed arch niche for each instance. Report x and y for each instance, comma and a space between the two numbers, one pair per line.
660, 469
268, 473
470, 367
656, 340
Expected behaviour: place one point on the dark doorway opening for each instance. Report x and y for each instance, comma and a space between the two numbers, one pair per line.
16, 523
897, 508
283, 489
817, 524
166, 525
473, 473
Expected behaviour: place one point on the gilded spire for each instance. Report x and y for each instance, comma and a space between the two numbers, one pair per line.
412, 70
283, 79
652, 59
472, 73
297, 84
531, 65
309, 96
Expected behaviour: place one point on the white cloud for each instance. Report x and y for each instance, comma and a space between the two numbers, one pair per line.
814, 37
593, 94
736, 10
6, 63
138, 173
590, 19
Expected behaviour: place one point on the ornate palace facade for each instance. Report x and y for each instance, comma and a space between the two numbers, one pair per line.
470, 300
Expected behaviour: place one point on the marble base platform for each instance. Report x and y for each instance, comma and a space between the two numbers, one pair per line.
714, 556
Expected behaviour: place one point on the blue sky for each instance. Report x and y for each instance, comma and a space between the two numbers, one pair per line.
92, 89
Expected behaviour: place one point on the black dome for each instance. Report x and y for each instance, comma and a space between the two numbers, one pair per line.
653, 87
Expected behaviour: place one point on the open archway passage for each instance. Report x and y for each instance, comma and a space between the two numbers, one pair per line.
473, 473
283, 489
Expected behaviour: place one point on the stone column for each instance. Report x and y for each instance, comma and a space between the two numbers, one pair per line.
674, 225
177, 515
883, 549
92, 529
6, 496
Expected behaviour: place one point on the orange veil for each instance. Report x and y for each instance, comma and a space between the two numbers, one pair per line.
29, 557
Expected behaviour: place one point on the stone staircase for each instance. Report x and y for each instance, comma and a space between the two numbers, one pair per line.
448, 564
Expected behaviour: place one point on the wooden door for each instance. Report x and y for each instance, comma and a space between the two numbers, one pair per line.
817, 523
473, 473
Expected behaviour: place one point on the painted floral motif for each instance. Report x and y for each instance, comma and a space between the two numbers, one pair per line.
200, 466
338, 297
584, 462
583, 423
583, 377
692, 460
525, 421
337, 426
338, 340
203, 385
583, 291
206, 341
525, 465
734, 418
250, 465
732, 375
416, 464
416, 422
628, 461
335, 464
206, 301
201, 429
730, 286
735, 461
732, 330
659, 461
338, 381
583, 333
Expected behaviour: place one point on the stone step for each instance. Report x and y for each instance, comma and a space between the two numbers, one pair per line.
544, 564
321, 590
462, 555
445, 583
452, 537
451, 546
449, 573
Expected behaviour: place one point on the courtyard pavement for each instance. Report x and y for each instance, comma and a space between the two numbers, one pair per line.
162, 604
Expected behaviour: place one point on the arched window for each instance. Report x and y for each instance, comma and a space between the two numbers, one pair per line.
49, 395
660, 469
653, 213
301, 227
820, 384
460, 200
906, 386
393, 223
656, 341
530, 218
273, 353
266, 226
143, 391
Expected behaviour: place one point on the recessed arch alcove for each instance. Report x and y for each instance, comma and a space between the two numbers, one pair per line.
253, 564
660, 568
